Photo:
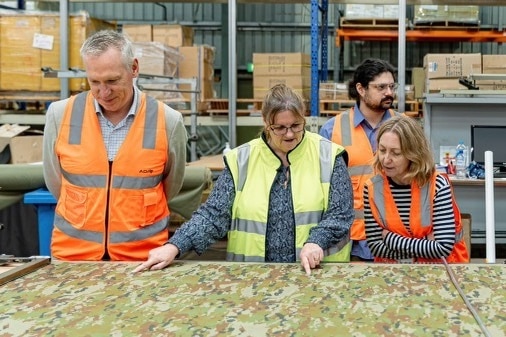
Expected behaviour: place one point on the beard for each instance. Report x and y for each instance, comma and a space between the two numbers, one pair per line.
385, 103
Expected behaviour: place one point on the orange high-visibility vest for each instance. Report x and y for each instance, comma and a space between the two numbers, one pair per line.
360, 156
386, 214
120, 207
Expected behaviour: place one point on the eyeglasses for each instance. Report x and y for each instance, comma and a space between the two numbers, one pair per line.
383, 86
280, 130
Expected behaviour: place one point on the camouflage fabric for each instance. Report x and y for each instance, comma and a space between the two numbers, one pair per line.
232, 299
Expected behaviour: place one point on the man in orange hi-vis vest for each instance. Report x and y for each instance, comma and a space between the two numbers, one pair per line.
113, 157
373, 88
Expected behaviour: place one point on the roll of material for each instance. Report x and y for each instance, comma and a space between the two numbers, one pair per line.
21, 177
489, 207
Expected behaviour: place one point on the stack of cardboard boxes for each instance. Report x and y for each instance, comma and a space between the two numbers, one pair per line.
31, 41
442, 71
183, 59
292, 69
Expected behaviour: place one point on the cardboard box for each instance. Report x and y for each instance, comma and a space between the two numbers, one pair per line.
25, 146
438, 84
372, 11
494, 64
451, 65
173, 35
445, 13
31, 41
138, 33
158, 59
333, 91
282, 64
300, 84
491, 84
197, 61
418, 81
467, 227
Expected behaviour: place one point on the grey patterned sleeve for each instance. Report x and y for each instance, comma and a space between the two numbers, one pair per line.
211, 221
337, 219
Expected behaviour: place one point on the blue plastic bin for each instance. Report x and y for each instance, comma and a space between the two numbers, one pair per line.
45, 203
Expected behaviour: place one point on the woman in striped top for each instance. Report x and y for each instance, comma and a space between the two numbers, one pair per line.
410, 211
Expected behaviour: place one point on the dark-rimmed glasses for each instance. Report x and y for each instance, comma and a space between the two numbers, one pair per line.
280, 130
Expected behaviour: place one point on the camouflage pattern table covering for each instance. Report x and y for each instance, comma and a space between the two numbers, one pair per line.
231, 299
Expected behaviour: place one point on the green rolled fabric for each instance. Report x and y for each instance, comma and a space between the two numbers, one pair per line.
21, 177
189, 198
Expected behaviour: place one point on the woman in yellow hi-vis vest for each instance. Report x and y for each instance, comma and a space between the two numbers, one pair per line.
283, 197
410, 211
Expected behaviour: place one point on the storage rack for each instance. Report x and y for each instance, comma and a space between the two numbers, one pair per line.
318, 27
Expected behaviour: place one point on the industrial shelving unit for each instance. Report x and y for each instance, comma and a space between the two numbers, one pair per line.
319, 42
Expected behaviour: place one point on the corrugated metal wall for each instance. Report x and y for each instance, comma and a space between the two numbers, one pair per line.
281, 28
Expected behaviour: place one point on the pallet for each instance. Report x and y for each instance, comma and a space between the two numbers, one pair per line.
331, 108
369, 23
446, 24
245, 106
28, 96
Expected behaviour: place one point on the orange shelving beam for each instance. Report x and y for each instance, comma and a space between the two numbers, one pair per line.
421, 35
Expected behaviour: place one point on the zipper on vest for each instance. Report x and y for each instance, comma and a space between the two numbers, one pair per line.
106, 220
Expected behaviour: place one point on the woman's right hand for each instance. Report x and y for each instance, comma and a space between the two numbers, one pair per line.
159, 258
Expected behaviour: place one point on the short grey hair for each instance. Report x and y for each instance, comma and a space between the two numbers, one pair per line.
103, 40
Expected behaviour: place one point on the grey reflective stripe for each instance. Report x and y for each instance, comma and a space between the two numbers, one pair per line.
337, 248
459, 236
89, 180
243, 258
345, 129
256, 227
378, 198
116, 237
141, 233
359, 214
64, 226
305, 218
135, 183
150, 124
425, 206
360, 170
242, 163
76, 118
325, 161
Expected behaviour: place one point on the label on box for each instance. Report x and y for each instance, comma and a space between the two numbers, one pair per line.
43, 41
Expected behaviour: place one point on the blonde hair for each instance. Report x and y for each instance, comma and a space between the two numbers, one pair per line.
414, 146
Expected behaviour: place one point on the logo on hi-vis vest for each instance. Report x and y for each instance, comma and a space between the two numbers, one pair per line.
146, 171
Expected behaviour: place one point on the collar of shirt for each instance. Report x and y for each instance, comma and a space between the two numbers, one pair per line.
359, 118
133, 108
